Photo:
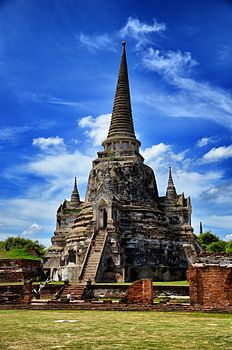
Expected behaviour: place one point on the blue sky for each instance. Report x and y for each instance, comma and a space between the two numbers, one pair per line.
58, 68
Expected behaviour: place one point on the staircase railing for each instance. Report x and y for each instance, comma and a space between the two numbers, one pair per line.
87, 254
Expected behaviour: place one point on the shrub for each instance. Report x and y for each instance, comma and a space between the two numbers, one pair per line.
207, 238
229, 247
33, 248
216, 247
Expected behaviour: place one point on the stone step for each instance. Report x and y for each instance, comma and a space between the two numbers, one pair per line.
75, 290
94, 257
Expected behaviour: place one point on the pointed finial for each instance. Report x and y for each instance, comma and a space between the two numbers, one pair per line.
75, 198
171, 191
201, 228
170, 180
124, 43
75, 185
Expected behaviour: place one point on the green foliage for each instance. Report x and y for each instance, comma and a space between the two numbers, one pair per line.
229, 247
216, 247
213, 244
207, 238
72, 211
110, 154
19, 247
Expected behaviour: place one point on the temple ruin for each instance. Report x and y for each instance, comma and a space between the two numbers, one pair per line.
123, 230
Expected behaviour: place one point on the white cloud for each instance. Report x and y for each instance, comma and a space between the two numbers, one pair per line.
4, 236
206, 100
218, 98
64, 166
220, 193
204, 141
219, 221
228, 237
169, 62
49, 143
217, 154
96, 42
134, 28
11, 133
19, 213
45, 99
38, 202
161, 156
155, 151
34, 228
60, 101
177, 104
97, 128
193, 182
224, 53
139, 31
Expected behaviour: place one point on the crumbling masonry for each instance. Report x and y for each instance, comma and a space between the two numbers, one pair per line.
123, 231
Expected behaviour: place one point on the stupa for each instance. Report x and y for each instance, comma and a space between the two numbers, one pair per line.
123, 230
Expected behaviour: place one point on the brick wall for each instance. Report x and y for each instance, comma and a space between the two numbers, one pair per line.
113, 291
14, 270
210, 286
140, 292
11, 276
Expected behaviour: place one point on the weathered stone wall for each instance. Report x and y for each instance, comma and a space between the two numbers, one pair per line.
129, 180
140, 292
101, 290
14, 270
210, 285
159, 259
11, 276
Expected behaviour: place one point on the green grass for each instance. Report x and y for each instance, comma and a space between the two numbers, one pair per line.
17, 253
172, 283
106, 330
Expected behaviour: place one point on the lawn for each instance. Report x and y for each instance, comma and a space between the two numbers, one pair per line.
29, 329
171, 283
17, 253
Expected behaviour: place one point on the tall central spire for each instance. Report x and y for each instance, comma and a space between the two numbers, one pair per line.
121, 126
121, 121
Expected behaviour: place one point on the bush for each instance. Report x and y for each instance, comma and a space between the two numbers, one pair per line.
217, 247
207, 238
33, 248
229, 247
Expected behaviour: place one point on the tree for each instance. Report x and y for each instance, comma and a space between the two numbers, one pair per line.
216, 247
207, 238
31, 247
229, 247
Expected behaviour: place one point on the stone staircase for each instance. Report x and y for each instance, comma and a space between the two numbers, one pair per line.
93, 257
76, 290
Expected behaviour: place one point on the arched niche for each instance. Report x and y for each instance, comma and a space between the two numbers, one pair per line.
102, 214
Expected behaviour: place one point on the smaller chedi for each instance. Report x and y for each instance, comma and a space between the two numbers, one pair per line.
123, 230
